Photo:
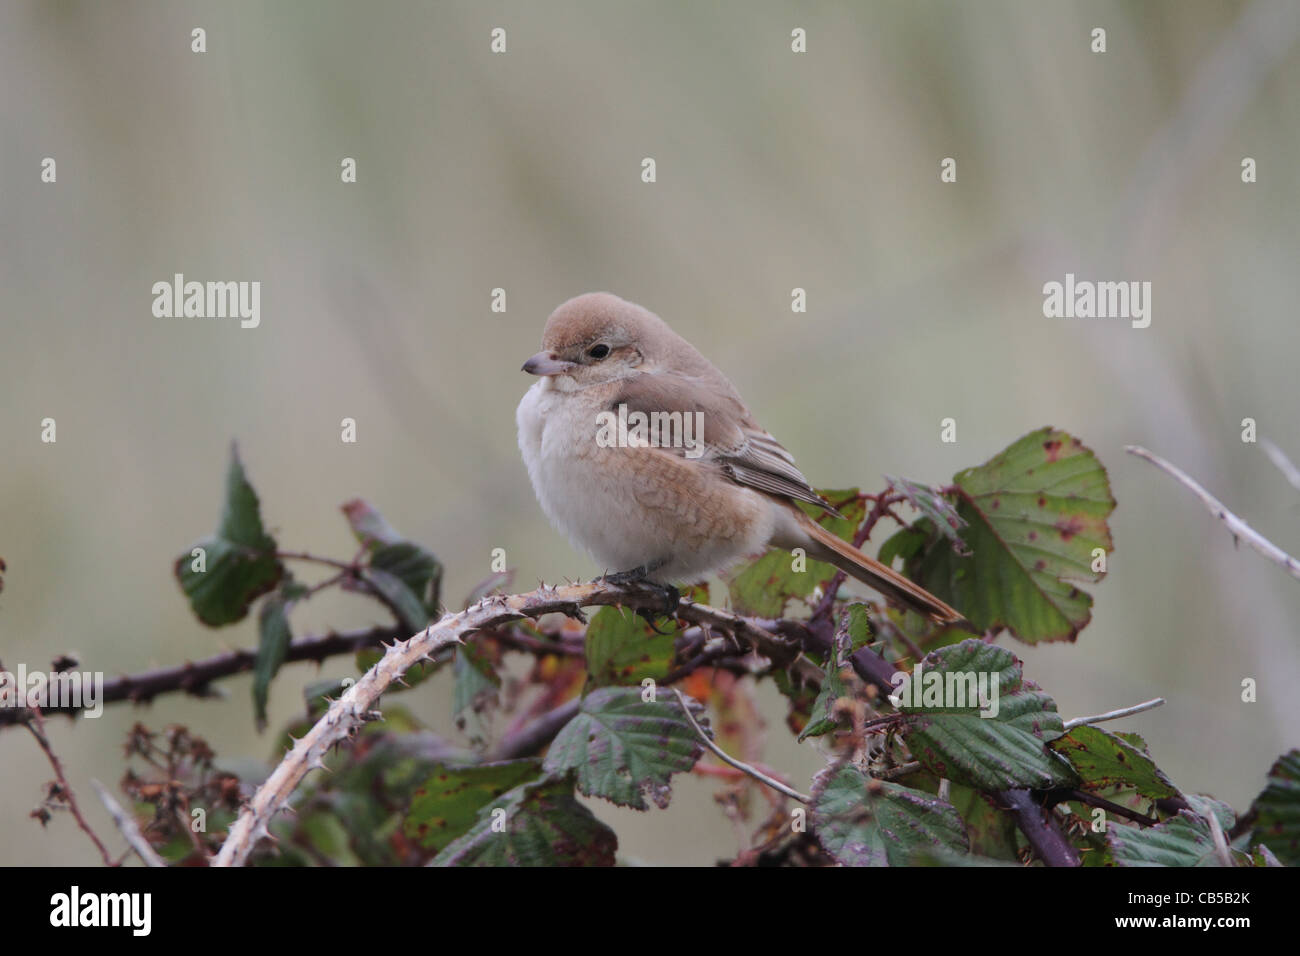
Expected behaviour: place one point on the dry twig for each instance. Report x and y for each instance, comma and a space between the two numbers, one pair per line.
1239, 529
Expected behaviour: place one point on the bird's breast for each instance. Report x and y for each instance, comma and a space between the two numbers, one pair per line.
632, 506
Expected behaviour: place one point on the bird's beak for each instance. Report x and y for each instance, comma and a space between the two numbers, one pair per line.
545, 363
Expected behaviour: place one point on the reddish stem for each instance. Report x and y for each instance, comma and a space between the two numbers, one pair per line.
36, 724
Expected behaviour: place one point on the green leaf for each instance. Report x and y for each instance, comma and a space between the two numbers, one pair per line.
1277, 810
623, 649
855, 629
368, 792
407, 576
1263, 856
624, 748
822, 718
947, 733
395, 757
273, 639
238, 560
415, 567
992, 830
934, 506
328, 836
906, 543
865, 822
400, 599
1105, 760
449, 801
852, 633
764, 587
1134, 740
369, 525
1184, 840
1035, 513
539, 824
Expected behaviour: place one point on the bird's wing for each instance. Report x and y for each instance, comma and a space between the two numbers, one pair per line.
744, 452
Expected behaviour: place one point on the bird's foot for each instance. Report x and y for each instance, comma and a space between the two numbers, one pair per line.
640, 576
637, 575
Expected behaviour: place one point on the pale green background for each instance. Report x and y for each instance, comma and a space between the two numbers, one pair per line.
522, 171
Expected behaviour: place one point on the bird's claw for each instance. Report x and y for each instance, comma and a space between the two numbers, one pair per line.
641, 577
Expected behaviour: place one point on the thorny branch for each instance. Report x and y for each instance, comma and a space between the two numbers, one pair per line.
196, 677
784, 642
787, 640
347, 714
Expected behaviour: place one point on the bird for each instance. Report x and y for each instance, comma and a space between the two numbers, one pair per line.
645, 455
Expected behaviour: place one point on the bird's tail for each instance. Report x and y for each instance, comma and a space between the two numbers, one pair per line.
834, 550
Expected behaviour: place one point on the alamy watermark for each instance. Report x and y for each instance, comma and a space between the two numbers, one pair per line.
208, 300
946, 690
624, 429
133, 911
56, 690
1084, 299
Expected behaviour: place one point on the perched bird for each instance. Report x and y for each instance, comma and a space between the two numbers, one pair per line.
690, 485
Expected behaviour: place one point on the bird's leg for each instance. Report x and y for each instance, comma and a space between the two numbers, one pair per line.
641, 576
637, 575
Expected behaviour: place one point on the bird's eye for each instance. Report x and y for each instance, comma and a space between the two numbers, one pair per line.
598, 351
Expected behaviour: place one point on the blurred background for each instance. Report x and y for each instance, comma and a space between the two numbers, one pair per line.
522, 171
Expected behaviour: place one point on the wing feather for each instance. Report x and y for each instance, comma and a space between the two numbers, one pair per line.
745, 452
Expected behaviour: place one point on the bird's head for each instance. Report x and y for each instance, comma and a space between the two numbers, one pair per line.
598, 337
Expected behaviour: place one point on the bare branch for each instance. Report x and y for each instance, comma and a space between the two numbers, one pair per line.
757, 632
1116, 714
1283, 464
36, 724
1040, 828
1239, 529
533, 738
127, 825
195, 677
744, 768
902, 770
